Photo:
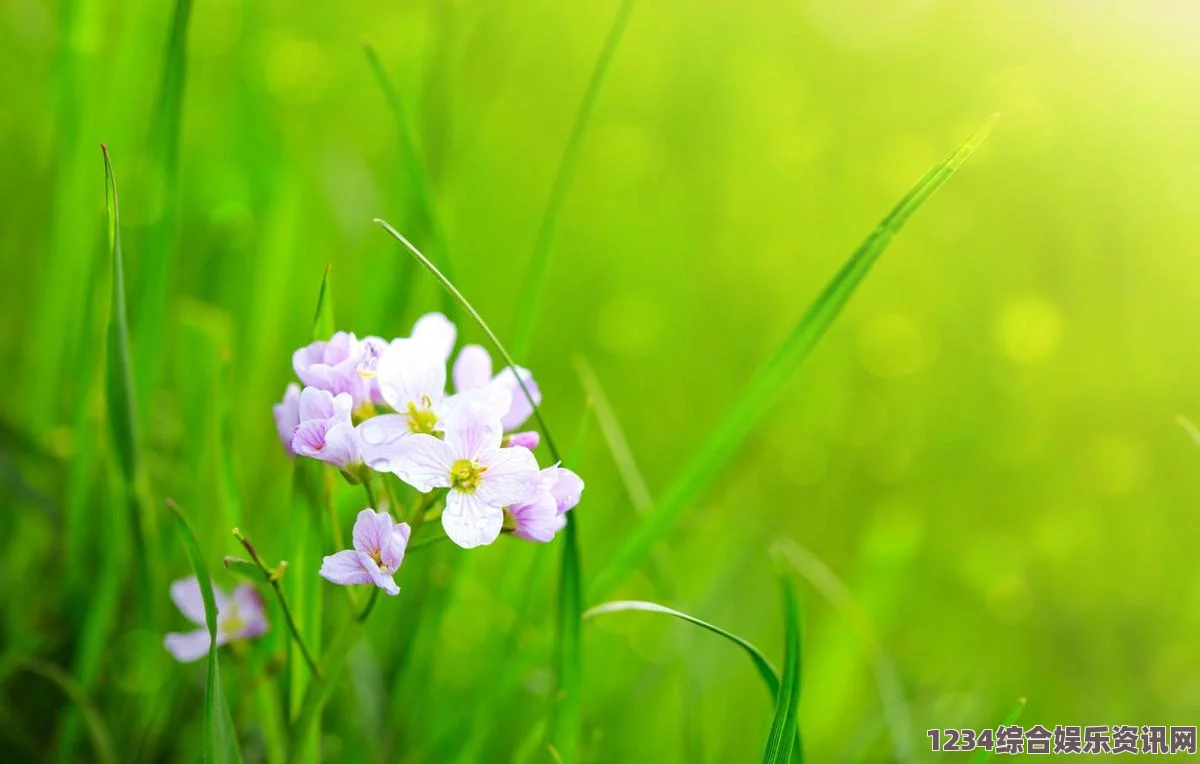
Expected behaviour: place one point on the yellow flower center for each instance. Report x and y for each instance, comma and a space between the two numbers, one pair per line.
422, 419
378, 558
232, 623
465, 475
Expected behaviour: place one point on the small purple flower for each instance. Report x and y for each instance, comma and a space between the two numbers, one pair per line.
325, 431
541, 515
332, 366
379, 546
483, 478
287, 415
473, 371
241, 616
527, 438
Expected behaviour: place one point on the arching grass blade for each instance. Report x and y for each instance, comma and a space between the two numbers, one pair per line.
771, 377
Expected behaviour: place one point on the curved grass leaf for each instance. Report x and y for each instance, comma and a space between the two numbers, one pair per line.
769, 674
565, 724
780, 747
102, 745
539, 267
220, 740
887, 679
771, 377
983, 754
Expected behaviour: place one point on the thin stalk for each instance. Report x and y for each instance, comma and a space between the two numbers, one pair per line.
273, 576
370, 604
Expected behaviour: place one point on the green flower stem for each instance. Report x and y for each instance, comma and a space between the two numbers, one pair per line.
273, 576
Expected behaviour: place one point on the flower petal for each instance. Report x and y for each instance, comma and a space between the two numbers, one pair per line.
521, 409
469, 521
511, 476
392, 552
526, 439
379, 439
345, 568
188, 647
409, 372
371, 530
472, 368
567, 489
287, 415
378, 577
437, 333
315, 403
250, 610
537, 521
185, 593
423, 462
472, 431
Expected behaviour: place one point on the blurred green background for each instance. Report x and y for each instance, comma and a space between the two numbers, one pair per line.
983, 449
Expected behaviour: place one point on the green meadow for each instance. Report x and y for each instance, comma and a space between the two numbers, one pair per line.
861, 459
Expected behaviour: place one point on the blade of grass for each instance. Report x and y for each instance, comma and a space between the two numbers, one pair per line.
983, 754
887, 679
563, 731
539, 266
781, 746
769, 674
324, 324
414, 171
161, 238
122, 406
220, 740
631, 476
768, 383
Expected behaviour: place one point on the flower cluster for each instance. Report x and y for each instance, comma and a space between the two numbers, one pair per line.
369, 404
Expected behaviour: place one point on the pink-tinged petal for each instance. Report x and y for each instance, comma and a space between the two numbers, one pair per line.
472, 431
341, 445
316, 403
471, 522
491, 401
188, 647
250, 611
371, 530
287, 415
511, 476
436, 332
332, 365
392, 552
185, 593
336, 445
378, 577
527, 439
379, 439
345, 568
409, 372
537, 521
521, 409
567, 489
472, 368
424, 462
